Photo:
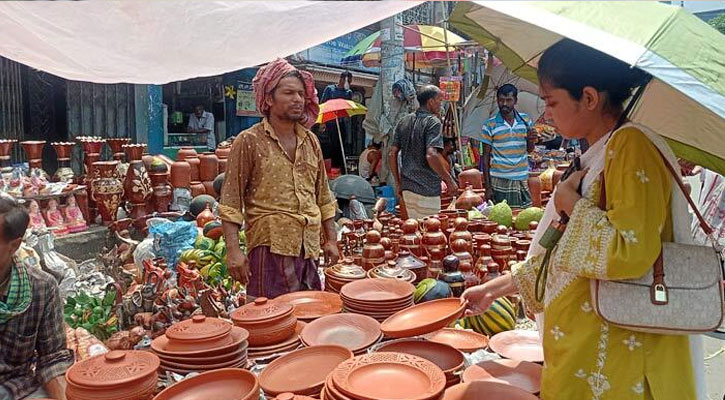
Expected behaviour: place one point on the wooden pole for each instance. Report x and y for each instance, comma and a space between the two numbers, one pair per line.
342, 146
450, 71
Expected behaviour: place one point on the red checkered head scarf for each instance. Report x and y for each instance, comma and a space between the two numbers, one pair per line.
268, 78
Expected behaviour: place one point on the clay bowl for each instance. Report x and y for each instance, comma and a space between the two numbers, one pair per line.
522, 374
302, 371
486, 390
239, 335
198, 333
274, 334
385, 375
377, 290
353, 331
518, 345
228, 383
240, 357
206, 360
310, 305
444, 356
290, 342
463, 340
423, 318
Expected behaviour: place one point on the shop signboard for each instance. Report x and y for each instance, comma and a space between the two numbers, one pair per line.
246, 105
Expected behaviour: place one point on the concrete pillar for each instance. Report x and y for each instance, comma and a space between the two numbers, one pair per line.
149, 117
392, 68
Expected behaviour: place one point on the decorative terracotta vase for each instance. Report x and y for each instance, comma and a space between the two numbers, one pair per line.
204, 217
461, 232
180, 174
107, 190
34, 152
434, 241
472, 177
373, 253
208, 166
468, 199
411, 239
158, 179
197, 188
136, 184
6, 147
118, 375
116, 145
64, 173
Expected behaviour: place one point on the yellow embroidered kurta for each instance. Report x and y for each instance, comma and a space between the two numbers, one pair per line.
586, 358
284, 203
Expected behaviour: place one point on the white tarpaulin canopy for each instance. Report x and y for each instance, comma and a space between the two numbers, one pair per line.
156, 42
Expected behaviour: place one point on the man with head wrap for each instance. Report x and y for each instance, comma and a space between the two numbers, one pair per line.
276, 186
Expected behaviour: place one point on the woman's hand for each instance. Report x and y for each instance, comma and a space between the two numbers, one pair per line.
566, 194
479, 300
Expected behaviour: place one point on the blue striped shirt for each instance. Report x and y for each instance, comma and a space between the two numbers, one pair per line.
509, 159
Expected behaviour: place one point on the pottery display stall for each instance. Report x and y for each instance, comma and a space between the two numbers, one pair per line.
117, 375
116, 145
63, 151
201, 344
107, 190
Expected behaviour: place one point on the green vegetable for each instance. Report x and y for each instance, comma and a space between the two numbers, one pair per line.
528, 215
502, 214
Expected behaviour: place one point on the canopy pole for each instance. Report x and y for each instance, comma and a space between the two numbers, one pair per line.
342, 146
450, 71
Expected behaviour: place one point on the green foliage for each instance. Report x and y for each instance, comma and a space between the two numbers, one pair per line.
94, 314
718, 23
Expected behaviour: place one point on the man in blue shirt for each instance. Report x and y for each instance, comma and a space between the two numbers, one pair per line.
507, 139
340, 90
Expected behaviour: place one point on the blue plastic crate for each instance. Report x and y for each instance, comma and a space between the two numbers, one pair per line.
392, 202
385, 191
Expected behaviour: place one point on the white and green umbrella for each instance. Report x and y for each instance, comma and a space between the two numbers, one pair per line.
685, 102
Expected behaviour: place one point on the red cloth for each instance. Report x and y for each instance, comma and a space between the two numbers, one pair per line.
268, 78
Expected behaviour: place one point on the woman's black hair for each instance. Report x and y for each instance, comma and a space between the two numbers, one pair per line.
573, 66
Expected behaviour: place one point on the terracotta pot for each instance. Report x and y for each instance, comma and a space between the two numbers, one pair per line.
118, 375
209, 188
185, 152
222, 165
434, 241
64, 173
204, 217
490, 227
195, 164
198, 333
224, 383
105, 169
6, 147
267, 321
468, 199
91, 144
208, 166
373, 253
134, 152
136, 184
180, 174
159, 179
34, 152
409, 261
472, 177
223, 152
411, 239
163, 195
197, 188
116, 145
535, 189
461, 232
106, 189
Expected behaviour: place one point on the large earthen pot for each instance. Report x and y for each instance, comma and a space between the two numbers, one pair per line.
468, 199
472, 177
208, 167
180, 174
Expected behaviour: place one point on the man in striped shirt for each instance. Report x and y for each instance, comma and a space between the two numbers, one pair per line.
507, 139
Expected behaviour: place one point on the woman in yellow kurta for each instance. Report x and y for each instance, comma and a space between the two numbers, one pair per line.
585, 357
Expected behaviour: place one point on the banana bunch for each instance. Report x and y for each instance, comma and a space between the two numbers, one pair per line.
200, 257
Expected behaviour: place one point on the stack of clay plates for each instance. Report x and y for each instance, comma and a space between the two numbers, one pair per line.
377, 298
450, 360
384, 375
201, 344
341, 274
355, 332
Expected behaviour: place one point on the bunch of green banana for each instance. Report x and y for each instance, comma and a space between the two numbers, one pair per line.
191, 255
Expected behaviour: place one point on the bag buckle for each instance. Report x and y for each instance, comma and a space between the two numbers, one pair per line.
659, 294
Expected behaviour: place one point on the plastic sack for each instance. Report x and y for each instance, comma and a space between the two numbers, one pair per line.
171, 238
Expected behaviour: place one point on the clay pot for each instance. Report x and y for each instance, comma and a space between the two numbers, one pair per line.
34, 152
136, 183
204, 217
461, 232
107, 190
208, 166
197, 188
185, 152
222, 165
411, 239
223, 152
408, 261
118, 375
434, 241
6, 147
373, 253
468, 199
163, 195
267, 321
226, 383
195, 164
535, 189
64, 173
471, 177
180, 174
209, 188
198, 333
490, 227
116, 145
392, 271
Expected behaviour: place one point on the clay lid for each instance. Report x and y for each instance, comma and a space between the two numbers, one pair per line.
198, 327
292, 396
262, 309
114, 368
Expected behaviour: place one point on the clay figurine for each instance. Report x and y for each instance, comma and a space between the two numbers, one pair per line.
54, 218
74, 217
36, 218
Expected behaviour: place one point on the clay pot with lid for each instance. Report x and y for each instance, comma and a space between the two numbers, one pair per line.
433, 238
267, 321
208, 166
116, 375
373, 253
461, 232
409, 261
392, 271
198, 333
411, 238
205, 217
186, 152
468, 199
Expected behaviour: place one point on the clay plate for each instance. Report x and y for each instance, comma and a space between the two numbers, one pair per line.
389, 376
240, 357
310, 305
206, 360
228, 383
486, 390
262, 354
444, 356
302, 371
184, 371
518, 345
238, 334
353, 331
423, 318
377, 290
331, 392
463, 340
522, 374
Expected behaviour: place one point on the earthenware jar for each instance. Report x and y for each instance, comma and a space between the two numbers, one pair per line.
434, 241
64, 173
411, 239
208, 166
461, 232
468, 199
373, 253
451, 275
471, 177
204, 217
180, 174
107, 190
409, 261
136, 184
